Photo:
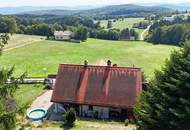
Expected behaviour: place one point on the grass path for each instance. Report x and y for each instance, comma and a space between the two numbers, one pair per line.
142, 36
19, 40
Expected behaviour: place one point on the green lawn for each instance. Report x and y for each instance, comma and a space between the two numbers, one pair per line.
82, 125
27, 93
43, 57
121, 24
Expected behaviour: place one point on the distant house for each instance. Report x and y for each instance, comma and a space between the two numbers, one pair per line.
170, 19
63, 35
103, 92
173, 17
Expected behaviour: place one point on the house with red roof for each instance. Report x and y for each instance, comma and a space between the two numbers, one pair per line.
104, 92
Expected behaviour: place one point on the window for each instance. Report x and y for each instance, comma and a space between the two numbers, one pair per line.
90, 108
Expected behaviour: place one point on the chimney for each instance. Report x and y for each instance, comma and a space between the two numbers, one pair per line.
85, 63
109, 63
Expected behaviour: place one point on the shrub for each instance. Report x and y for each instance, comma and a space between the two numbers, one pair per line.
126, 122
70, 117
22, 128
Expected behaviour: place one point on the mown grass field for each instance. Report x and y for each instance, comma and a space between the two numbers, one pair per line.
43, 57
121, 24
21, 40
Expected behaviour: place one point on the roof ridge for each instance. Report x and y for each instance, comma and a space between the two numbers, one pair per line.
96, 66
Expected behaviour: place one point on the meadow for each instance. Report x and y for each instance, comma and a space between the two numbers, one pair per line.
18, 40
121, 24
43, 57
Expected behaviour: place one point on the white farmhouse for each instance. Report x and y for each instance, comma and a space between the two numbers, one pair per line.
103, 92
170, 19
63, 35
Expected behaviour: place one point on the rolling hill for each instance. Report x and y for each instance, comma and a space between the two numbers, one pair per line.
127, 9
23, 9
114, 10
180, 7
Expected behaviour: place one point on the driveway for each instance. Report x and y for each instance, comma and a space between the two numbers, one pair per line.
42, 101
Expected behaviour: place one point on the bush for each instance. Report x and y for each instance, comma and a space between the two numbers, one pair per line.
126, 122
22, 128
70, 117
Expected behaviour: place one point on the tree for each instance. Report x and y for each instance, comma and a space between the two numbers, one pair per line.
188, 19
43, 29
7, 104
3, 41
97, 25
57, 27
165, 105
113, 34
109, 24
173, 34
7, 25
38, 29
157, 35
134, 34
81, 33
125, 34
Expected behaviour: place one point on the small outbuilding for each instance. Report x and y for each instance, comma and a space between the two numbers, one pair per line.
103, 92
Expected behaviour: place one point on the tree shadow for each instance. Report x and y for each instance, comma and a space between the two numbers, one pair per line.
66, 126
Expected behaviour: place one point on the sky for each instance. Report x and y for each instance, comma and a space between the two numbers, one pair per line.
8, 3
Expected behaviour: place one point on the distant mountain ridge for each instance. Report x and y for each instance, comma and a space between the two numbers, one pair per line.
93, 9
112, 10
180, 7
22, 9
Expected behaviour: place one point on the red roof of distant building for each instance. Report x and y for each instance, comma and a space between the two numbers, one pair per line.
97, 85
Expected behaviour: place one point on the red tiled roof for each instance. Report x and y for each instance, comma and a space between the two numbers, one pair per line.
97, 85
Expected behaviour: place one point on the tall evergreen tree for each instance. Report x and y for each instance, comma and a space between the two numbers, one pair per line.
7, 103
165, 105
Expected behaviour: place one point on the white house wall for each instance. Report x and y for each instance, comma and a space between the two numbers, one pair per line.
63, 37
103, 112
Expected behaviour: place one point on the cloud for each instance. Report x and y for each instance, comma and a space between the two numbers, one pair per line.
78, 2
